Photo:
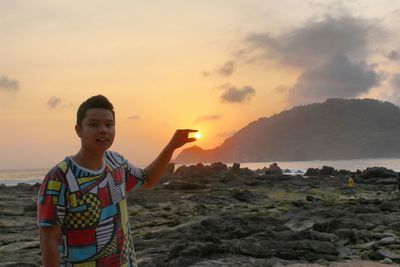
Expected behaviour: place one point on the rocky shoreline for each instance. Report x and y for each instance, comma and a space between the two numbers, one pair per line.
218, 216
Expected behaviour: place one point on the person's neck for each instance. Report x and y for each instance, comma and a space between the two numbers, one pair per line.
91, 161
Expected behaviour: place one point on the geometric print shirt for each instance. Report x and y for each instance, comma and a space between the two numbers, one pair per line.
90, 207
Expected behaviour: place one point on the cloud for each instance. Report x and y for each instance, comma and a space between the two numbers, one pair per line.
330, 54
281, 88
134, 117
8, 84
393, 55
235, 95
53, 102
227, 69
396, 81
317, 41
207, 118
338, 77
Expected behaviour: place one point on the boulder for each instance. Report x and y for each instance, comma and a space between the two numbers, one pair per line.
181, 185
243, 195
327, 170
235, 168
378, 172
273, 169
313, 172
218, 167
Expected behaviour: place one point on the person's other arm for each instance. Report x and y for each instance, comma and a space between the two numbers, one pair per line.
157, 167
49, 240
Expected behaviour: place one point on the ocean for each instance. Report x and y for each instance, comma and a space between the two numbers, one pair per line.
32, 176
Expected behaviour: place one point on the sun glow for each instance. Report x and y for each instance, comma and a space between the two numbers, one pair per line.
198, 135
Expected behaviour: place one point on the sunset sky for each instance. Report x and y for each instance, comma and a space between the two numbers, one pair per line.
211, 65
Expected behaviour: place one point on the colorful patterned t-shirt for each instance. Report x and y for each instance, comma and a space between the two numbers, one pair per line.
90, 206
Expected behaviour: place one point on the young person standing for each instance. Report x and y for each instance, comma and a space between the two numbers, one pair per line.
82, 209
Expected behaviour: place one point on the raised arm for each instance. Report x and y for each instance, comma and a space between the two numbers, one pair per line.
157, 167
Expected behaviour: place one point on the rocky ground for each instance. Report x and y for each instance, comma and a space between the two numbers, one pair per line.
217, 216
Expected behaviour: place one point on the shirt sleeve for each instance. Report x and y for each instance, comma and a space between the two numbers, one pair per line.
134, 176
52, 199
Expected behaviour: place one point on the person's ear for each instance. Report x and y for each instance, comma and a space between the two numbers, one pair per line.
78, 130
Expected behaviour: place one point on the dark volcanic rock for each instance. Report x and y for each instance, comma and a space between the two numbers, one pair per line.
243, 195
273, 169
312, 172
327, 170
378, 172
181, 185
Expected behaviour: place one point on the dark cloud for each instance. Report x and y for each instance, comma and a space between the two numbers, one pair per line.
207, 118
225, 70
235, 95
8, 84
134, 117
393, 55
282, 88
396, 81
330, 53
338, 77
317, 41
53, 102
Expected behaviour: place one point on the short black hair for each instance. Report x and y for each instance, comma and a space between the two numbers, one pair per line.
97, 101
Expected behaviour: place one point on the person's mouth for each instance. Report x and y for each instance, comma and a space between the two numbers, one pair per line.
102, 140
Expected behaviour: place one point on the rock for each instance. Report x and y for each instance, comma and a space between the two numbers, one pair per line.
235, 168
332, 225
390, 206
287, 171
366, 246
345, 172
378, 172
298, 226
386, 261
313, 172
21, 245
388, 254
18, 264
218, 167
327, 170
181, 185
312, 199
31, 207
389, 241
243, 195
273, 169
347, 234
394, 226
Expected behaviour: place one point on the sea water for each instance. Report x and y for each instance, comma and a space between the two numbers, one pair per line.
32, 176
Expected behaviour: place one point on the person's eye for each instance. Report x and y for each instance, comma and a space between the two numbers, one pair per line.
92, 124
109, 125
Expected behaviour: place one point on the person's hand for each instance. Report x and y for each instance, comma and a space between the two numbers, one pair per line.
181, 137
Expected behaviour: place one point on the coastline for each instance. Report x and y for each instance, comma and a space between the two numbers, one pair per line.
230, 216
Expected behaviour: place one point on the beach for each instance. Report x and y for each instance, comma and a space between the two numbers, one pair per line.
216, 215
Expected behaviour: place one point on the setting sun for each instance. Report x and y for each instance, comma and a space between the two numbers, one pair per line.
197, 135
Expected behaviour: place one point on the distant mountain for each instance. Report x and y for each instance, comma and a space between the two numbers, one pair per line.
334, 129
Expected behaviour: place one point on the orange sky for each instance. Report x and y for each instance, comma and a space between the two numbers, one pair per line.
164, 65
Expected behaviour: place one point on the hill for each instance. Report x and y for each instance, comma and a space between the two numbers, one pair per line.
334, 129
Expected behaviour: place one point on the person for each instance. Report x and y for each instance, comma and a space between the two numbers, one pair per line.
350, 187
82, 208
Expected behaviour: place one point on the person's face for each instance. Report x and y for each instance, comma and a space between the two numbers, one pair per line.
97, 130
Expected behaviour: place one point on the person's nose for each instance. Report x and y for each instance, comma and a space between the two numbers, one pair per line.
103, 129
